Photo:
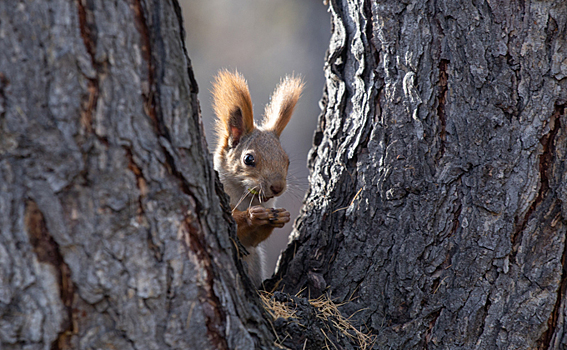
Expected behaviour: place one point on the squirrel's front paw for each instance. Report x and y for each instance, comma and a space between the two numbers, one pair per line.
279, 217
259, 216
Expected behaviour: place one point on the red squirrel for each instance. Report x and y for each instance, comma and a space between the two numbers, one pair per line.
250, 160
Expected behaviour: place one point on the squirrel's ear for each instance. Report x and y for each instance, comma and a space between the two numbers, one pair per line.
279, 110
233, 107
235, 127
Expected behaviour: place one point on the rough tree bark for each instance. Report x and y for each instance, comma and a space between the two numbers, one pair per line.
112, 235
437, 207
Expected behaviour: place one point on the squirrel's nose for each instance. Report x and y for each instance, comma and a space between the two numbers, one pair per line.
277, 189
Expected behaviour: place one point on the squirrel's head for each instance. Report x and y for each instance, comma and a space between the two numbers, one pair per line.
248, 156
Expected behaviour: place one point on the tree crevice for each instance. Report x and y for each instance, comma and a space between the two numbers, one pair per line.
546, 159
545, 162
88, 34
3, 84
47, 251
140, 181
547, 338
441, 101
213, 310
149, 95
429, 332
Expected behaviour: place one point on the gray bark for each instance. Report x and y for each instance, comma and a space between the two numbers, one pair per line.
112, 233
437, 202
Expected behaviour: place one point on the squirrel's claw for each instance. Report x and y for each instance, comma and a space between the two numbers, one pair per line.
259, 216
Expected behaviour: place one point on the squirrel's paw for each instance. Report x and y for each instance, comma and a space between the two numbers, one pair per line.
259, 216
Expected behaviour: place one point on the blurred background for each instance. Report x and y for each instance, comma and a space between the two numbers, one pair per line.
264, 40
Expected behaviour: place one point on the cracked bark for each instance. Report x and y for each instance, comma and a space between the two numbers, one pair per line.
450, 116
437, 201
112, 233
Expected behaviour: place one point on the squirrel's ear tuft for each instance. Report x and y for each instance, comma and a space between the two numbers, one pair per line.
279, 110
233, 108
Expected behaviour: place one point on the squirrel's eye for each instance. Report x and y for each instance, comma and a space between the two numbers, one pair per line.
249, 160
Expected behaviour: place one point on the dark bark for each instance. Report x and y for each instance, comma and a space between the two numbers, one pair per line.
112, 233
437, 201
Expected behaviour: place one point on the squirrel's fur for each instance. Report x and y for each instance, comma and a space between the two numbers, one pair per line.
250, 161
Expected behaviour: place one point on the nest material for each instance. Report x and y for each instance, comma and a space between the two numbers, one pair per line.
302, 323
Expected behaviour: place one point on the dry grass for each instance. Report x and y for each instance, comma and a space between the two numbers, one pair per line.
326, 310
276, 309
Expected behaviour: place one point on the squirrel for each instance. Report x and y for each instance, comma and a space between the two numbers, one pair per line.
251, 162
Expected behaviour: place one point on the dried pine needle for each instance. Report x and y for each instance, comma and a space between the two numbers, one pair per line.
326, 310
276, 309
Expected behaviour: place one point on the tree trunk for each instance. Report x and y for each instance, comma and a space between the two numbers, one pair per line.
437, 207
112, 234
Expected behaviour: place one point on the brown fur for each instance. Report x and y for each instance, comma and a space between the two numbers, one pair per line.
230, 94
252, 188
278, 112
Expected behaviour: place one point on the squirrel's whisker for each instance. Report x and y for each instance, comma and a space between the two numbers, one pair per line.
240, 201
251, 200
